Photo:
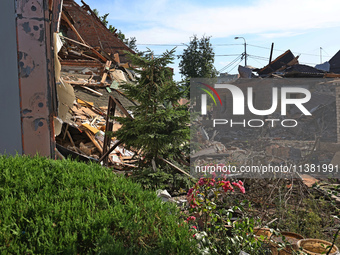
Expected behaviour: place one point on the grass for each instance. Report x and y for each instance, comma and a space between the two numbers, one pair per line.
67, 207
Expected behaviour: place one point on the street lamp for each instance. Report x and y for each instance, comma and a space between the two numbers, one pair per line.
245, 49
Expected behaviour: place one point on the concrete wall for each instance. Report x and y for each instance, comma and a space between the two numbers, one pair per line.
10, 127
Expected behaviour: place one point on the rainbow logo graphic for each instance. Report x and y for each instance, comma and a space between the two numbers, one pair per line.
209, 93
204, 97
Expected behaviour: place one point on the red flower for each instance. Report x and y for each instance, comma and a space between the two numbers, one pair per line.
240, 186
212, 182
226, 186
190, 191
191, 218
201, 181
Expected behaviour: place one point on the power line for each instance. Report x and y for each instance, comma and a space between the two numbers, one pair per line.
231, 63
158, 44
235, 66
258, 57
325, 51
230, 44
299, 53
257, 60
227, 55
224, 55
183, 44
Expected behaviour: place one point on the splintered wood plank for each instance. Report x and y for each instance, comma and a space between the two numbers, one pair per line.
103, 78
92, 90
106, 69
94, 141
89, 127
84, 103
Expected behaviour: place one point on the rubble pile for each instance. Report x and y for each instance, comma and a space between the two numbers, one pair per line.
90, 67
84, 131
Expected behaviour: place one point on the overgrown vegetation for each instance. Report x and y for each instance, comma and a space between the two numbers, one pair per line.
66, 207
290, 206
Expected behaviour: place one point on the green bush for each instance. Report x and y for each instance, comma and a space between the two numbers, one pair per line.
164, 178
67, 207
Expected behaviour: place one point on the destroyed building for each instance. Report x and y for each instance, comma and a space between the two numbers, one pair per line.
60, 99
69, 68
93, 61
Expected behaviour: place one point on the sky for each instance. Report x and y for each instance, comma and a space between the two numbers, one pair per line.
309, 28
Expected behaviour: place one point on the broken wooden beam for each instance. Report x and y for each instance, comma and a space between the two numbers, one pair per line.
92, 90
176, 167
110, 150
80, 38
72, 27
121, 107
116, 58
94, 141
72, 142
106, 69
94, 109
111, 109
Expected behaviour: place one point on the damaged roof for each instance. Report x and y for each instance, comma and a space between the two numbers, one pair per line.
90, 29
281, 61
305, 71
335, 63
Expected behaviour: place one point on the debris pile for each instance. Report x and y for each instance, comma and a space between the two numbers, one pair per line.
91, 66
83, 133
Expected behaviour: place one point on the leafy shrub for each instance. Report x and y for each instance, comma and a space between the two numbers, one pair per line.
66, 207
211, 219
165, 178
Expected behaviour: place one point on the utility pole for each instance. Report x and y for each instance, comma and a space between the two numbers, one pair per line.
245, 49
320, 55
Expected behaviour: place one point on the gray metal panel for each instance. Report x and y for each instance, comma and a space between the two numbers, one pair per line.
10, 117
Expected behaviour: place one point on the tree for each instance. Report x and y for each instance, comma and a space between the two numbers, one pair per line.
130, 42
197, 60
160, 124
